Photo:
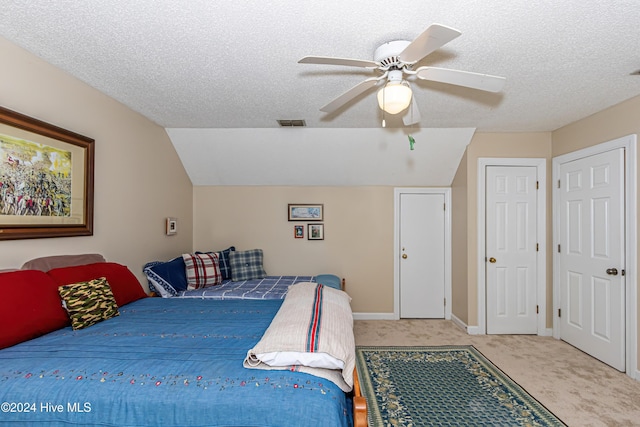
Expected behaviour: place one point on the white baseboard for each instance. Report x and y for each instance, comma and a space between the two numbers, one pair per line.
374, 316
473, 330
548, 332
459, 323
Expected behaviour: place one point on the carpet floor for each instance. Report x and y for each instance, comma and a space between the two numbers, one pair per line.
448, 386
578, 389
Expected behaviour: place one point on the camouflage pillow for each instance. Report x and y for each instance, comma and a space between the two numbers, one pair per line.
88, 302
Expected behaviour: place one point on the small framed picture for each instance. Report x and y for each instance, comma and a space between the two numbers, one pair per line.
315, 232
305, 212
298, 231
172, 226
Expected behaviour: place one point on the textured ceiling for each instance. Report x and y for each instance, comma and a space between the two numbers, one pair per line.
212, 64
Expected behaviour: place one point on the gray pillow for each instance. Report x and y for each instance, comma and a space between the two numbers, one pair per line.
58, 261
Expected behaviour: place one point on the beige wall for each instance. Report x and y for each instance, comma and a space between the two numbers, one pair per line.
614, 122
358, 227
459, 231
139, 179
529, 145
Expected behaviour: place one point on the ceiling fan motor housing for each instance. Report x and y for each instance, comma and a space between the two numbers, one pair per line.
387, 54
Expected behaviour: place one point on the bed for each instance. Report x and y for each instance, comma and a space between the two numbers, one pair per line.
159, 362
226, 274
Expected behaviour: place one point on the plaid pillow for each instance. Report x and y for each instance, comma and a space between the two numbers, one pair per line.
202, 270
88, 302
246, 265
225, 267
223, 261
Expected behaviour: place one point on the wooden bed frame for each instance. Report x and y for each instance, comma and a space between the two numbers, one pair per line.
360, 418
359, 403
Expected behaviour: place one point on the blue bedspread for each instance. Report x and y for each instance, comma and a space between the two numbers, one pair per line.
270, 287
162, 362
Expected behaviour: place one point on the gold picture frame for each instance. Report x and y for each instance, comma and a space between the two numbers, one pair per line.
46, 179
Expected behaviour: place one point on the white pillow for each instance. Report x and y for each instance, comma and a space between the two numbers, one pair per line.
313, 360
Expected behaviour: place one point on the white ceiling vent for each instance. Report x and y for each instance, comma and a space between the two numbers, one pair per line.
292, 123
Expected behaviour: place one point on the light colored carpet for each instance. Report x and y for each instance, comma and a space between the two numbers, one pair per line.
577, 388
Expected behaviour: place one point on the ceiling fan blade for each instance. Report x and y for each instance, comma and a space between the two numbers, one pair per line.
327, 60
479, 81
412, 116
431, 39
350, 94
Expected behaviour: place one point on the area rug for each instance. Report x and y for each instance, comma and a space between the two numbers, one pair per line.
443, 386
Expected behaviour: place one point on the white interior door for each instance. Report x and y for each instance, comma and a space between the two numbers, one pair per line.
591, 255
511, 247
422, 255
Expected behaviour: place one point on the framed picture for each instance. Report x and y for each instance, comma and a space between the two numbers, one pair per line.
298, 231
46, 184
305, 212
315, 232
172, 226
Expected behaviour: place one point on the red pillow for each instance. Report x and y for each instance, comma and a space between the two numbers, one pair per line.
125, 286
30, 306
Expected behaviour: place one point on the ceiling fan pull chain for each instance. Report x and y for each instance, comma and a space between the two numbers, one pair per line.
384, 123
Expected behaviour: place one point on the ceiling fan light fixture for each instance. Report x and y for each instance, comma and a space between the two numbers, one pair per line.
394, 97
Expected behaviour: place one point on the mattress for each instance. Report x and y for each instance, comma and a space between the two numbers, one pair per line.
163, 362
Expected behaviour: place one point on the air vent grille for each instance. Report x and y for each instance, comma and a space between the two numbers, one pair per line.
292, 123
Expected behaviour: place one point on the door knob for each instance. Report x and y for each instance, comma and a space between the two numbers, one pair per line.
404, 256
492, 260
612, 271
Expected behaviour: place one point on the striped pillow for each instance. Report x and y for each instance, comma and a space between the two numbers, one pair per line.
202, 270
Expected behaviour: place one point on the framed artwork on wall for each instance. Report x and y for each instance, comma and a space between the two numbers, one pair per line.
315, 232
46, 189
305, 212
298, 231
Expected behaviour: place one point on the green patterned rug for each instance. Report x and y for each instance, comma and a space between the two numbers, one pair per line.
443, 386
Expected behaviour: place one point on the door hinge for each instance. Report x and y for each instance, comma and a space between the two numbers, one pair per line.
558, 248
537, 247
445, 207
558, 183
537, 309
559, 312
537, 185
445, 302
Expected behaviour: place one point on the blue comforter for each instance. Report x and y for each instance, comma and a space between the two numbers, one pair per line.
162, 362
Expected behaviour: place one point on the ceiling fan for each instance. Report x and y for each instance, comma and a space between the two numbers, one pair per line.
394, 61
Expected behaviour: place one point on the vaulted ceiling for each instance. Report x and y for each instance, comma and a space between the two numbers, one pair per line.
210, 65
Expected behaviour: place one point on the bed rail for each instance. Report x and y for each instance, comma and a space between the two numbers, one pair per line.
359, 403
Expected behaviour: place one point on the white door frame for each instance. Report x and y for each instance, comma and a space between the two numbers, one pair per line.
541, 257
396, 245
629, 143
